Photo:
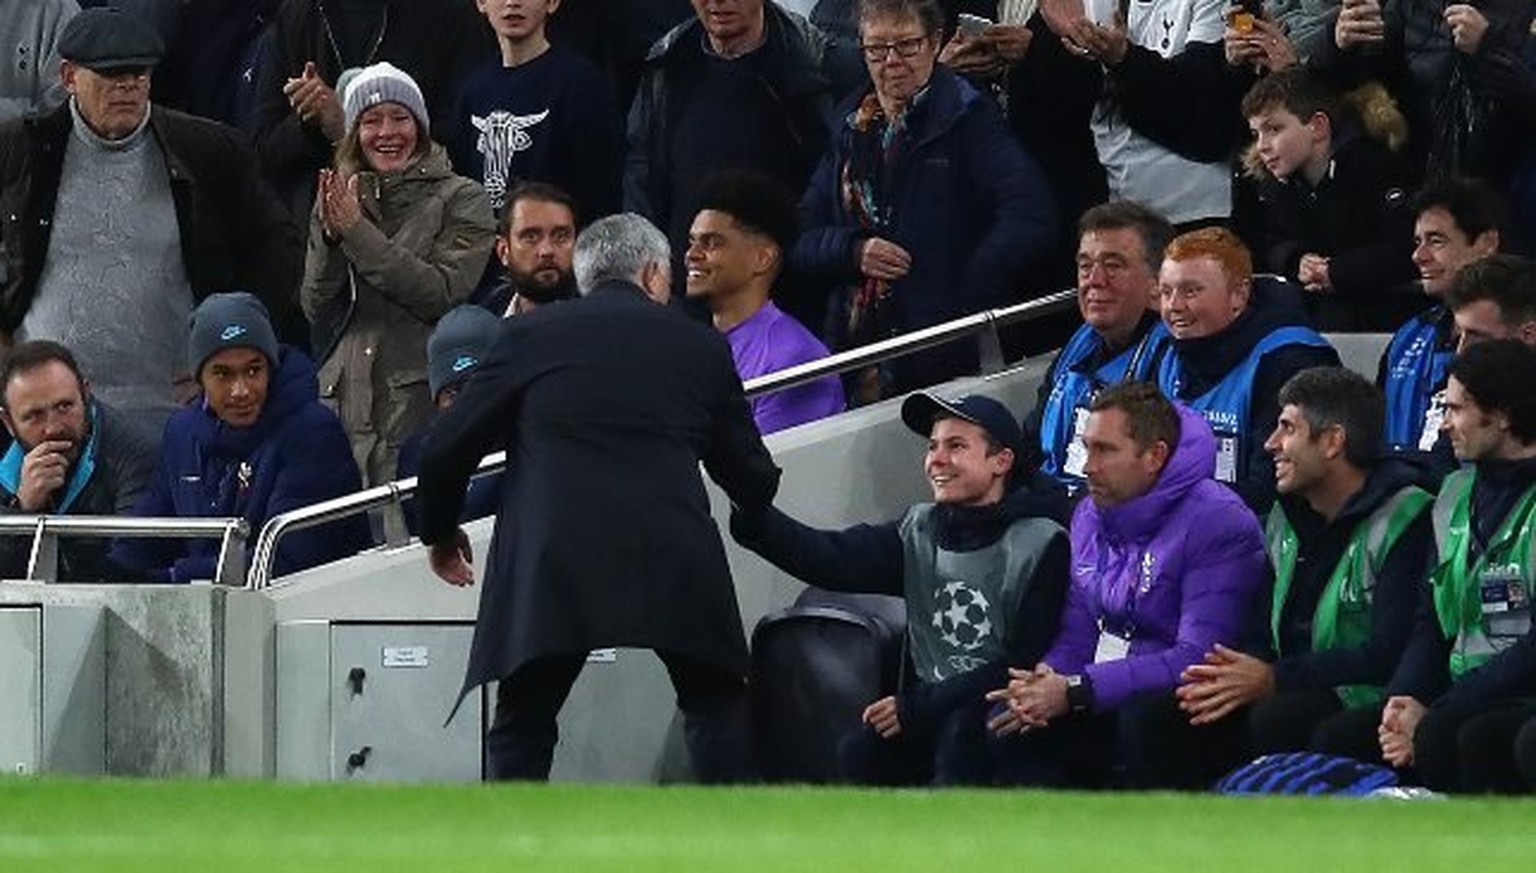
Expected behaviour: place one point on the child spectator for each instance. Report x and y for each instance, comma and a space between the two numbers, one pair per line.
542, 113
1336, 213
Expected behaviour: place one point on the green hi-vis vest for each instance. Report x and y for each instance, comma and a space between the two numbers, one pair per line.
1484, 605
1342, 618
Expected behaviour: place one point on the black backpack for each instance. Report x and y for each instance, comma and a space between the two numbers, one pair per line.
814, 667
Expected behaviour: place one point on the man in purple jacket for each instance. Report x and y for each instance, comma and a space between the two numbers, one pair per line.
1165, 562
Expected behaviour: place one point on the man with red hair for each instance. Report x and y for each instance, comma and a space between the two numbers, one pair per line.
1236, 339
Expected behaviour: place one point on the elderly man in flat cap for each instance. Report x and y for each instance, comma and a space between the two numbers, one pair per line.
117, 217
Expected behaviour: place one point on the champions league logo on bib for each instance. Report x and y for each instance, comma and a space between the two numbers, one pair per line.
960, 614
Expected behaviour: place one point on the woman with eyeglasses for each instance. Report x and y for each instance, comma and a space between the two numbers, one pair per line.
926, 208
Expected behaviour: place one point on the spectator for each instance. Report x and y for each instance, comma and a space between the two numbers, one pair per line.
607, 406
299, 120
1457, 69
255, 443
1348, 538
1236, 340
1335, 209
1165, 565
70, 455
1458, 223
117, 216
454, 350
397, 239
736, 248
1494, 298
1460, 693
1157, 64
1122, 338
991, 537
617, 36
1307, 24
213, 49
742, 85
29, 32
541, 113
925, 208
534, 241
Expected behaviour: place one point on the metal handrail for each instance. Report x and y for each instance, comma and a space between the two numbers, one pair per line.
42, 562
983, 325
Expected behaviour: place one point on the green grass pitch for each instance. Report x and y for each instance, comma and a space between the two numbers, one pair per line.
55, 825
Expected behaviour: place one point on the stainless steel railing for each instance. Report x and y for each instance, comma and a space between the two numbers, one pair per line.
48, 530
983, 326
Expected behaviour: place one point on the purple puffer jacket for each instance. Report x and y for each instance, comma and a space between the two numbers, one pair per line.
1175, 568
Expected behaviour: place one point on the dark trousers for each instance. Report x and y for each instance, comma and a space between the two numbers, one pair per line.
1471, 751
1289, 721
1453, 750
1146, 743
955, 755
1525, 753
716, 724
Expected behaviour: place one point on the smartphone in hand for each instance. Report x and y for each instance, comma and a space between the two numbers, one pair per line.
971, 26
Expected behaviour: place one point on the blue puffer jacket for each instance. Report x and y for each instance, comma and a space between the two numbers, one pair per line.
969, 204
294, 455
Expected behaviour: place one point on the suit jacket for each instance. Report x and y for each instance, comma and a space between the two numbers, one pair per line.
606, 406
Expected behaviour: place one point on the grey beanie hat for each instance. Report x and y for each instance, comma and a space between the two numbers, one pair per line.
457, 345
230, 320
363, 87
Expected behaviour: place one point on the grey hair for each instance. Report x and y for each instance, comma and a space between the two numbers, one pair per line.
618, 248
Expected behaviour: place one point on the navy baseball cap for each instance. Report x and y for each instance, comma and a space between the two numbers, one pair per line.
921, 409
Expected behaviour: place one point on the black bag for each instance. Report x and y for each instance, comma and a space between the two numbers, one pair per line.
814, 668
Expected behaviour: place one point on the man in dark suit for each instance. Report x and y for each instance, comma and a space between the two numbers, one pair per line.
606, 405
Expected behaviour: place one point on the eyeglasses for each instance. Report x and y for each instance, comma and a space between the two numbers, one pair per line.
875, 52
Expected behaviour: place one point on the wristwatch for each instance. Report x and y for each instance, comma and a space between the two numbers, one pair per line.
1079, 693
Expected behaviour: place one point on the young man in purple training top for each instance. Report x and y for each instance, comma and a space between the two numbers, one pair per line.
736, 247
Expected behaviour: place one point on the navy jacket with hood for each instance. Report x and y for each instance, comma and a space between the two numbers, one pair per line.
294, 455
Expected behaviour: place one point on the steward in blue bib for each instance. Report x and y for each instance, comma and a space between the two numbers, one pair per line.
1233, 378
1085, 366
1411, 377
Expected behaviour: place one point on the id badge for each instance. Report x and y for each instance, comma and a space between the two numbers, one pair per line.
1501, 591
1434, 416
1077, 453
1226, 459
1111, 647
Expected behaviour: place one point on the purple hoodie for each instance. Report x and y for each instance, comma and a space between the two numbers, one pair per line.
1177, 567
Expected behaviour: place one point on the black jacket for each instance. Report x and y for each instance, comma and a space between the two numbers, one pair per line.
1321, 545
234, 233
1360, 218
807, 75
606, 406
867, 558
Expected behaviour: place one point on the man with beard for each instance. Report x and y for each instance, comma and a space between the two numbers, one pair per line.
71, 455
534, 242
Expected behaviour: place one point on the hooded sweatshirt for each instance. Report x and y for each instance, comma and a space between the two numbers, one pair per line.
1172, 571
294, 455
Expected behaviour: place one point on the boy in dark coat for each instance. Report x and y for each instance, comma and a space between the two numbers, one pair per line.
256, 443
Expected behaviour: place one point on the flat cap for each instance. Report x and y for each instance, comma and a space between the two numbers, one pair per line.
104, 38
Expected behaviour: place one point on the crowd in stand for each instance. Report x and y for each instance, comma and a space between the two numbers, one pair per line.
250, 251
